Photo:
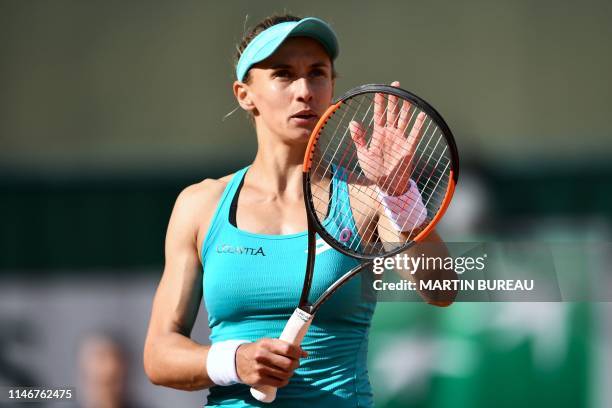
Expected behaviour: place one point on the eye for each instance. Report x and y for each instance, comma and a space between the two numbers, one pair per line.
281, 73
318, 72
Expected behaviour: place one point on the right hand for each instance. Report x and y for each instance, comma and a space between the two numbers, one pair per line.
387, 160
267, 362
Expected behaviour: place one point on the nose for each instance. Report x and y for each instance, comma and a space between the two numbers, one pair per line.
303, 90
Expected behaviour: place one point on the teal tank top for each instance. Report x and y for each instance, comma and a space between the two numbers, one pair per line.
252, 284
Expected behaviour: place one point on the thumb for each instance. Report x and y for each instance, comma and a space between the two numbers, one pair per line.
357, 134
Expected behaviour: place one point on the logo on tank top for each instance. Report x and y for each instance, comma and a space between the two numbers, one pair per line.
321, 246
239, 250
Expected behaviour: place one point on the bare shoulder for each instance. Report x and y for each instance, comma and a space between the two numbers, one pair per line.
203, 194
196, 205
199, 199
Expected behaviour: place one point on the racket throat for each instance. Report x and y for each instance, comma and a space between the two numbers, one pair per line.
308, 308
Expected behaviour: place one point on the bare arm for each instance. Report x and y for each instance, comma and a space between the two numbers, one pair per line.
171, 358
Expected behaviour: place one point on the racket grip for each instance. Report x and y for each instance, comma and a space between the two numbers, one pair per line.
293, 333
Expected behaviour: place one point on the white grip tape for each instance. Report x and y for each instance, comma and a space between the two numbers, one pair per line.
293, 333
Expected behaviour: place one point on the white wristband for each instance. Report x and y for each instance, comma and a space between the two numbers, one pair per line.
221, 362
406, 211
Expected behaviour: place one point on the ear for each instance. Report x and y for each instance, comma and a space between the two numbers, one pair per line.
242, 94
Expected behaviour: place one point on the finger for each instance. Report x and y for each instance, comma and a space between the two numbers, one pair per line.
415, 132
379, 109
283, 363
273, 371
280, 362
393, 108
357, 134
271, 377
288, 350
294, 352
404, 117
377, 141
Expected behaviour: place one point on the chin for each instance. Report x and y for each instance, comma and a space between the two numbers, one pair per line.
299, 136
305, 134
300, 132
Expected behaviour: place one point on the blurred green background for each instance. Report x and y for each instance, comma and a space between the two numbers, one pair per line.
109, 108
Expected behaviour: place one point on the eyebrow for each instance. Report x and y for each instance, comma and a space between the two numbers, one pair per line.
285, 66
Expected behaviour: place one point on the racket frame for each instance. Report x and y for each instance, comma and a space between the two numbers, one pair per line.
315, 225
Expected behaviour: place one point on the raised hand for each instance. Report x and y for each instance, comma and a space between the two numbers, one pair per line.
386, 161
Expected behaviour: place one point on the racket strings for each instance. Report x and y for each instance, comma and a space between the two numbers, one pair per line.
422, 153
338, 145
370, 193
424, 189
435, 169
347, 109
353, 118
427, 201
376, 246
427, 165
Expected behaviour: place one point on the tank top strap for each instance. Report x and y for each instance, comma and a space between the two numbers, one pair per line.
340, 194
221, 215
341, 207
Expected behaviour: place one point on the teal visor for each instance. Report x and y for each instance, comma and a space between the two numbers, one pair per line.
266, 42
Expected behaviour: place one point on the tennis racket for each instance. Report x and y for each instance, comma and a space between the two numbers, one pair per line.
384, 141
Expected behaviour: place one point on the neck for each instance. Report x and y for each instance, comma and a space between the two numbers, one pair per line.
278, 165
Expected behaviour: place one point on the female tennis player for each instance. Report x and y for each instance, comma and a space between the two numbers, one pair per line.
241, 242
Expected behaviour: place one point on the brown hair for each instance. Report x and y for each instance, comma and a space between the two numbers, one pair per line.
260, 27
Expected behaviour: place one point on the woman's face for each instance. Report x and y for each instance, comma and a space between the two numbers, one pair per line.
291, 89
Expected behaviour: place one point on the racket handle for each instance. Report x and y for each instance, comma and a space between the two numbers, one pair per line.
293, 333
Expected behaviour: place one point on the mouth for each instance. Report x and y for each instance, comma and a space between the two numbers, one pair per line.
305, 116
